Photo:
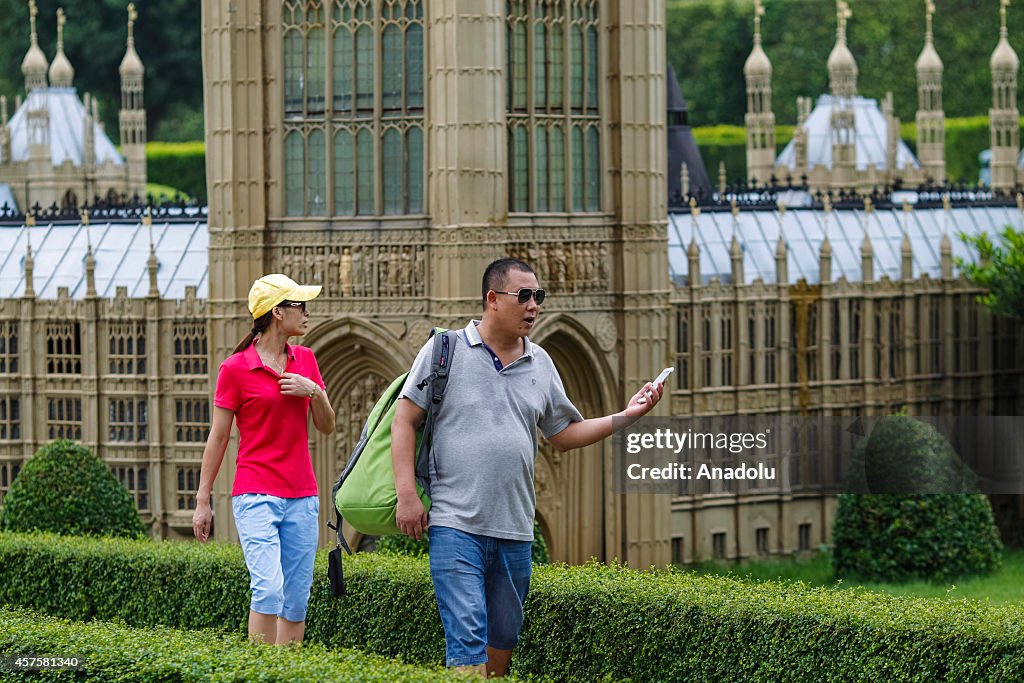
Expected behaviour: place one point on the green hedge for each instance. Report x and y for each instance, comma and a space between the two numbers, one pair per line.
112, 652
180, 165
965, 139
583, 623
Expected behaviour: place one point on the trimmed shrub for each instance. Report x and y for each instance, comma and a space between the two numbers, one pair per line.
112, 652
885, 537
585, 623
914, 521
66, 489
178, 164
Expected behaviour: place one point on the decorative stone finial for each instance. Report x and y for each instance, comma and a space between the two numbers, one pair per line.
694, 209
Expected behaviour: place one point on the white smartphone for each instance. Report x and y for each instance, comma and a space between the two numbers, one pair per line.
660, 379
662, 376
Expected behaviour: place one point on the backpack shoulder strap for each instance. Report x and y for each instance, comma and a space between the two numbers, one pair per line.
441, 358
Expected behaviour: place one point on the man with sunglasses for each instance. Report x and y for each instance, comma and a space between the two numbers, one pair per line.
501, 389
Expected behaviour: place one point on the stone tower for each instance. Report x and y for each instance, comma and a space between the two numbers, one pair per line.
132, 116
760, 120
1004, 119
931, 120
340, 154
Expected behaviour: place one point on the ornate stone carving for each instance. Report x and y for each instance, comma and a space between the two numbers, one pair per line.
606, 332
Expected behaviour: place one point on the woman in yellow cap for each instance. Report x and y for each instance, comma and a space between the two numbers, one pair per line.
270, 387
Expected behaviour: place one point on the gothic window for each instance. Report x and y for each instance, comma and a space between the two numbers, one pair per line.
683, 347
8, 472
934, 349
10, 418
191, 420
770, 345
1004, 345
127, 355
895, 341
752, 346
64, 348
554, 121
811, 352
135, 478
353, 141
836, 340
725, 344
881, 313
707, 345
187, 485
804, 537
761, 536
127, 420
64, 418
8, 346
855, 308
190, 349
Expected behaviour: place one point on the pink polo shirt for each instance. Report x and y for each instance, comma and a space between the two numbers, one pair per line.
273, 436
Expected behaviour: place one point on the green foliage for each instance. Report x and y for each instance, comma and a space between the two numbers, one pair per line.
999, 269
66, 489
915, 518
885, 537
178, 164
611, 623
709, 40
113, 652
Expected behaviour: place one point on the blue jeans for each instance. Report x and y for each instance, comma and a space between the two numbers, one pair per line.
480, 584
279, 538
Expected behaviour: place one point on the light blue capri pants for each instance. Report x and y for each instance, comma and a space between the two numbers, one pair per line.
279, 539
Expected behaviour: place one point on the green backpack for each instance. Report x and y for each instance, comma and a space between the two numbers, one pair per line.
364, 494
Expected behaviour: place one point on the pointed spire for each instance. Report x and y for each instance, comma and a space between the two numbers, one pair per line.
906, 250
1004, 58
34, 65
781, 257
61, 71
131, 64
152, 265
30, 221
928, 61
757, 63
842, 67
90, 274
684, 180
825, 262
693, 252
721, 180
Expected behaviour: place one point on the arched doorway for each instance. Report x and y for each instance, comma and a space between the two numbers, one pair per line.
573, 488
358, 360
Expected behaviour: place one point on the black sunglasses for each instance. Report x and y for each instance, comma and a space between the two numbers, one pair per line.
294, 304
525, 293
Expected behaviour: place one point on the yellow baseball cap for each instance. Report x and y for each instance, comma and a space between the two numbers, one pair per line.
270, 290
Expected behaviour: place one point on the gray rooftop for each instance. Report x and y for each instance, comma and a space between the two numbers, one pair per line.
67, 126
871, 138
121, 250
803, 231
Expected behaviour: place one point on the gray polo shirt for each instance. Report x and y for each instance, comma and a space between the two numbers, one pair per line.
485, 435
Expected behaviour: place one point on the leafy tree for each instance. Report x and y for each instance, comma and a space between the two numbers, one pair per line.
1000, 270
65, 489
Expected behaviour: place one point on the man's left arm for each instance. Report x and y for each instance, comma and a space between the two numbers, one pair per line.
586, 432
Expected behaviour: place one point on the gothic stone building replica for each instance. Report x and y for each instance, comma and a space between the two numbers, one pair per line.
388, 150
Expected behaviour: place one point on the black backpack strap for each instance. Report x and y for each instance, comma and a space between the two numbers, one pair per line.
442, 354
